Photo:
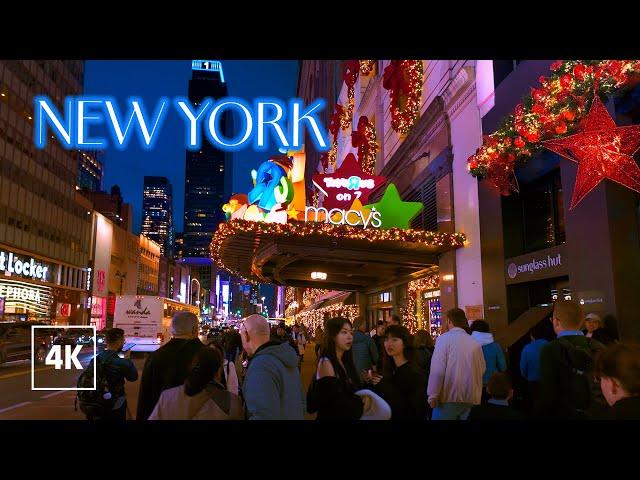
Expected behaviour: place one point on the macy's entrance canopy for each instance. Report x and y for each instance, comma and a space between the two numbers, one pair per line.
352, 258
273, 236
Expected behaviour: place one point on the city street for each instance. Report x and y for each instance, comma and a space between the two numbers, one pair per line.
19, 402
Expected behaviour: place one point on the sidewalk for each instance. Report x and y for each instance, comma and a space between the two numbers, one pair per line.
307, 371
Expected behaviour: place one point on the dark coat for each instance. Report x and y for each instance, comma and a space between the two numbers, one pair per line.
423, 360
626, 409
491, 411
334, 399
405, 392
554, 395
165, 368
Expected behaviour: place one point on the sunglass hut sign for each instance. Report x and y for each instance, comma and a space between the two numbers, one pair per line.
12, 264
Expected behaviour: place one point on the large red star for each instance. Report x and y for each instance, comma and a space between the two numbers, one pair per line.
602, 150
346, 184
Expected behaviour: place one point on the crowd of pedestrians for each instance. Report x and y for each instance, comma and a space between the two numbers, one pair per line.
388, 373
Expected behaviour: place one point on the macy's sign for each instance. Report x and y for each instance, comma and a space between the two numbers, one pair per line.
338, 216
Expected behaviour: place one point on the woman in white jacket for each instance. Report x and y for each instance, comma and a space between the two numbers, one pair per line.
202, 397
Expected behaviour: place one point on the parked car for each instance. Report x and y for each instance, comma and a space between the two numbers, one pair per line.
15, 341
65, 337
101, 341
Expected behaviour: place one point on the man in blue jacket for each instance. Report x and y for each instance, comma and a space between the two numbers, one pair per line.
272, 388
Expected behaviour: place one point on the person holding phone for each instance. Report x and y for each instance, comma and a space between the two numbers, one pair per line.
117, 370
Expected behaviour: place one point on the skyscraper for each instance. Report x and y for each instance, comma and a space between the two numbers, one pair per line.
206, 169
90, 170
43, 220
207, 177
157, 213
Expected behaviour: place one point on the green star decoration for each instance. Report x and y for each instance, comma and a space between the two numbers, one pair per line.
393, 211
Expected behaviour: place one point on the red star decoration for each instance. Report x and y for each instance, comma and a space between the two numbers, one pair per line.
348, 169
601, 150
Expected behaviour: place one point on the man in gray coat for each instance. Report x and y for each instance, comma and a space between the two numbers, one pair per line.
364, 350
272, 388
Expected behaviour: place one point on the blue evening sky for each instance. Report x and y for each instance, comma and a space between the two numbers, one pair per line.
152, 79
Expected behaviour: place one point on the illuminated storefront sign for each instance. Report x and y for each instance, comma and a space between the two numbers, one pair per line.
11, 264
347, 184
22, 297
63, 310
337, 216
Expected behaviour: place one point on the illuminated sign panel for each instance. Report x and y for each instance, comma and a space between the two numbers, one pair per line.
347, 184
12, 264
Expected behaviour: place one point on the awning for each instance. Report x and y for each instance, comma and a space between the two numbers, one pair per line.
521, 325
354, 259
339, 299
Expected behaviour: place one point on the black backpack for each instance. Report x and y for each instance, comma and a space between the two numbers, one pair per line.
584, 398
99, 402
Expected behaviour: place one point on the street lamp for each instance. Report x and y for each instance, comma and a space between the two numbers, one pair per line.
121, 276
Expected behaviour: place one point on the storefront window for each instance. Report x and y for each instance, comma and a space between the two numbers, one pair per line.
534, 219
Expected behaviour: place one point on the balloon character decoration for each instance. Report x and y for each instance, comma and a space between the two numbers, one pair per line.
278, 192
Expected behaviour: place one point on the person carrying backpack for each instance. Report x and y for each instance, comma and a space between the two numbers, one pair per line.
568, 389
108, 401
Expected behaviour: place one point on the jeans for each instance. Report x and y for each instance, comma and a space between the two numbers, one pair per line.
451, 411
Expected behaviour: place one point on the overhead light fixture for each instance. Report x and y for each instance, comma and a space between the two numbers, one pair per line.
448, 277
318, 275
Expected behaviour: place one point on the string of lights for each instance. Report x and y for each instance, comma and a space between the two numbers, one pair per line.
315, 318
303, 229
409, 314
403, 79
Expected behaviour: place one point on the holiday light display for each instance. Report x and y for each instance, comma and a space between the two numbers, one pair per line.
367, 66
415, 287
310, 295
403, 79
364, 139
301, 229
602, 150
315, 318
550, 111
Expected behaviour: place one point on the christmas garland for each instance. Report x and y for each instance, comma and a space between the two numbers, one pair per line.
404, 78
364, 139
552, 110
367, 66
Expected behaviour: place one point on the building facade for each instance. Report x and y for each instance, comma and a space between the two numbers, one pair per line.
589, 254
90, 170
112, 205
148, 267
43, 221
157, 213
207, 172
427, 164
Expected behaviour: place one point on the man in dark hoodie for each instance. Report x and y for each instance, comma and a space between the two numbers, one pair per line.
168, 366
272, 388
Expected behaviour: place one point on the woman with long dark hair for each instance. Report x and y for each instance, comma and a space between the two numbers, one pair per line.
332, 391
202, 397
401, 384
